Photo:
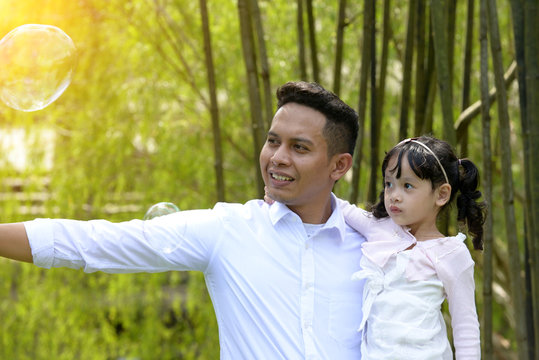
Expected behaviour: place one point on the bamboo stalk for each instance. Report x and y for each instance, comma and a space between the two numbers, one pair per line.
507, 181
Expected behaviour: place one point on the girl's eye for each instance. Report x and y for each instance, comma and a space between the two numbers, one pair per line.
387, 185
408, 186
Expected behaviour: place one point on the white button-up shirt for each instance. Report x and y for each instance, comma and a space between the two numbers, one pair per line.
278, 292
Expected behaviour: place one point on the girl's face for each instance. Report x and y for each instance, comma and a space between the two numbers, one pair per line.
409, 200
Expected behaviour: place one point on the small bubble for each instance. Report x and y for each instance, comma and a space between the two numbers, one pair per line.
160, 209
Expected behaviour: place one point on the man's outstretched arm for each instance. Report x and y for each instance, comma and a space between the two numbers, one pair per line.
14, 242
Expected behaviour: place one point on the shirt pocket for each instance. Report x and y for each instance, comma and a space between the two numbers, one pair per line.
345, 319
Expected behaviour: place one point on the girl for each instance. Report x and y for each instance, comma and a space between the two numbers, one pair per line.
409, 266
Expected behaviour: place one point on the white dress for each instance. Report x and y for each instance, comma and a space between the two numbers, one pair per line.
402, 319
404, 291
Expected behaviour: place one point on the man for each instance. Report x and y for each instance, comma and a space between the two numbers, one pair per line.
279, 275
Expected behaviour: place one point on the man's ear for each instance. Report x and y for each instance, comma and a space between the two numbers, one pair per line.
443, 194
341, 164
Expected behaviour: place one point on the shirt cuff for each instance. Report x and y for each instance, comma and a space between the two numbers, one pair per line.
41, 237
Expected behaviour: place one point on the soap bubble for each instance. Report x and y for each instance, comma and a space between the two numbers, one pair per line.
36, 66
160, 209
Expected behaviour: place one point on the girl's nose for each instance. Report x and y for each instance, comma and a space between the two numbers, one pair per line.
394, 196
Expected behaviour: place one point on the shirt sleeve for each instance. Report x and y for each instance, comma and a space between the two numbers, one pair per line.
179, 241
357, 218
456, 271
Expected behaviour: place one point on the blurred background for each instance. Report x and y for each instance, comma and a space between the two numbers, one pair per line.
169, 100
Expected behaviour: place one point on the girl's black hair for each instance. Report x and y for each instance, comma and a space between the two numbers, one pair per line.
462, 174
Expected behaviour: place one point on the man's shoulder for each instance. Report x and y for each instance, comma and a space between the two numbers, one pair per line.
249, 209
250, 204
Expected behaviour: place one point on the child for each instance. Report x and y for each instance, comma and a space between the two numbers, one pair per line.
409, 266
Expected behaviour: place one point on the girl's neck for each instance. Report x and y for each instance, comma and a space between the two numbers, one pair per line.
422, 234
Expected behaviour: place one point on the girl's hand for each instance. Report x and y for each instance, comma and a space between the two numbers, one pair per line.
267, 198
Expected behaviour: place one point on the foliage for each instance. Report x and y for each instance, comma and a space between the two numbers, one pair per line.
134, 129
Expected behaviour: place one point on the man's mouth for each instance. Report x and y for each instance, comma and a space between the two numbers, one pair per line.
279, 177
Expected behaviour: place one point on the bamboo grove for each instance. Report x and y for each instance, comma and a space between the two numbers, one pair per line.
171, 100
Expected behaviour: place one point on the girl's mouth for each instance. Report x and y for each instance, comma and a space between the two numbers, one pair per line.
394, 209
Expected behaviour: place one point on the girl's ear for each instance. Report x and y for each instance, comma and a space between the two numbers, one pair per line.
443, 194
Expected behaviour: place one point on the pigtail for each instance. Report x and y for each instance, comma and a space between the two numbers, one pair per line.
470, 211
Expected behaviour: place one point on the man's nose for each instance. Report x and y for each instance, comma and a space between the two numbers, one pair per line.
280, 156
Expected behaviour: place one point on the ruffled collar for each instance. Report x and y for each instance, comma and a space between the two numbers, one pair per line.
380, 249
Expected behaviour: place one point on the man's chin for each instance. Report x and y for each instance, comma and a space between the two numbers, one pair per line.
280, 198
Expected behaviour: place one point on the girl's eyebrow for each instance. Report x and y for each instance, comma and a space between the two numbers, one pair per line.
410, 178
391, 176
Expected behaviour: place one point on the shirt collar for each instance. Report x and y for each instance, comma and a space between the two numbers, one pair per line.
279, 211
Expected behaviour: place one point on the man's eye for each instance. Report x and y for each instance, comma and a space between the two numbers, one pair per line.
300, 147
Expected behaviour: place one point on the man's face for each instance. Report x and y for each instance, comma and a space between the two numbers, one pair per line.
294, 160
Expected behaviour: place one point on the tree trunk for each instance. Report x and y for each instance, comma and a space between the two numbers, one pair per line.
368, 27
451, 18
421, 80
312, 41
341, 24
264, 64
442, 55
380, 96
466, 77
438, 11
507, 181
431, 87
407, 71
531, 127
375, 127
214, 107
249, 57
301, 42
488, 235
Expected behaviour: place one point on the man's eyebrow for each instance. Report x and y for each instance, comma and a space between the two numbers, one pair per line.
303, 140
294, 139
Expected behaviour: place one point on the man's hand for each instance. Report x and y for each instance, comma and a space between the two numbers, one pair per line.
14, 242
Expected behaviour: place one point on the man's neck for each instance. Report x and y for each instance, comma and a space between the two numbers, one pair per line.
311, 214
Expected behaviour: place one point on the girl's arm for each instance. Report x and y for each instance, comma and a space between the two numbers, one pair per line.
456, 270
359, 219
461, 300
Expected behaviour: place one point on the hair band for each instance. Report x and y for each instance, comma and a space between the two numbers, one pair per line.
414, 140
